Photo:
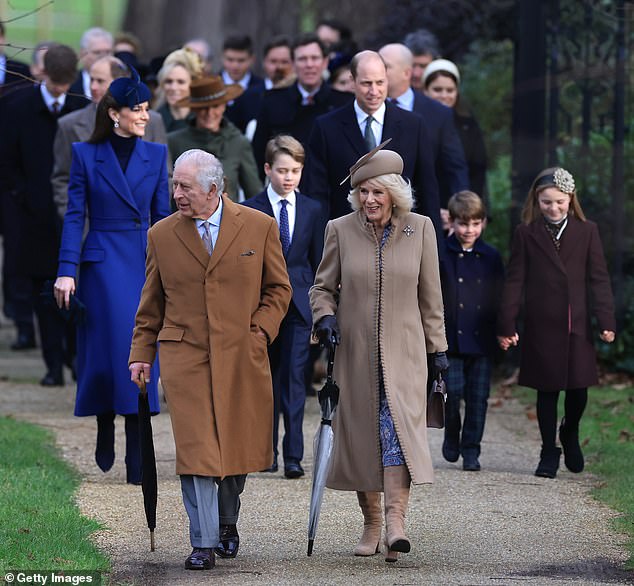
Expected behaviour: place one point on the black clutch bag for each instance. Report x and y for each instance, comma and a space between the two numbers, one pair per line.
436, 404
75, 314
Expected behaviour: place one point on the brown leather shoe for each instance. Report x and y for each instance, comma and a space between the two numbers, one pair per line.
201, 558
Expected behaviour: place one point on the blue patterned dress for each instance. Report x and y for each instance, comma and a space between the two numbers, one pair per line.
391, 452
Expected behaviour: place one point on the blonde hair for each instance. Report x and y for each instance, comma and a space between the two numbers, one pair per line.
531, 211
400, 191
185, 58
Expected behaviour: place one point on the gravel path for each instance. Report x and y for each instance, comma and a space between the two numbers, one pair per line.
499, 526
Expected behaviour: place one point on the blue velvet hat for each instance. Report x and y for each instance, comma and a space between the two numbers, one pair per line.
130, 91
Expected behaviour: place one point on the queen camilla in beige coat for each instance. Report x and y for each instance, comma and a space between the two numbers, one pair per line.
378, 290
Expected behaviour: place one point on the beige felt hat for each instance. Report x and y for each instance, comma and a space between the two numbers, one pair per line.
376, 162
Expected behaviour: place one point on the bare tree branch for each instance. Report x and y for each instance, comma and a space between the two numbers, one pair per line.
35, 10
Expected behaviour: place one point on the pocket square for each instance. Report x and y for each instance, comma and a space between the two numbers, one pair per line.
248, 253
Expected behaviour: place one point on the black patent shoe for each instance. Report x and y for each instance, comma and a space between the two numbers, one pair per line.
201, 558
53, 379
229, 542
573, 456
293, 470
548, 463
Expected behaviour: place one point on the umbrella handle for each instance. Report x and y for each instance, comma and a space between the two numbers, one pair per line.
142, 388
331, 361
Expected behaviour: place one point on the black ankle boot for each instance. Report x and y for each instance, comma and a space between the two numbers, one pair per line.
569, 438
548, 462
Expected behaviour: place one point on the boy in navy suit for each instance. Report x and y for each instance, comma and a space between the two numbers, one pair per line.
301, 234
472, 274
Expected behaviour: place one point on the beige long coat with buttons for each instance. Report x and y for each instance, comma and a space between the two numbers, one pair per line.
205, 312
400, 312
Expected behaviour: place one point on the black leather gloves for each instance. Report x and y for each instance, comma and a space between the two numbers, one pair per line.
327, 331
438, 364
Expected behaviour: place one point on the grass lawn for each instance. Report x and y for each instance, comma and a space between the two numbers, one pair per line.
40, 525
607, 438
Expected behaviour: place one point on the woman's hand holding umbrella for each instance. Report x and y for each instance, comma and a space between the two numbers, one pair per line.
327, 331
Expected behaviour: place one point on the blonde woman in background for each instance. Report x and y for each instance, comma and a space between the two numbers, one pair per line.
175, 76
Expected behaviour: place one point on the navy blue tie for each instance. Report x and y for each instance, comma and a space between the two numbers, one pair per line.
285, 233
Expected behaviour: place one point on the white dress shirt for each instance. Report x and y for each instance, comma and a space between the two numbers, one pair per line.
275, 199
377, 126
49, 99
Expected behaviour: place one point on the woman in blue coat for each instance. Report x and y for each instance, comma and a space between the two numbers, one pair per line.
119, 183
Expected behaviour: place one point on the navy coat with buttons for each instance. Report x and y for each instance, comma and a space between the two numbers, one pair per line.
110, 264
471, 286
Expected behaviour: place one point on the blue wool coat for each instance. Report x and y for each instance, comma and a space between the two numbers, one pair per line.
110, 264
471, 289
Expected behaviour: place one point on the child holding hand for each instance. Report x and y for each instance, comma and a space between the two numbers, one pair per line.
556, 271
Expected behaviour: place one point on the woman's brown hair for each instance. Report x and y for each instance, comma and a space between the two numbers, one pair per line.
103, 122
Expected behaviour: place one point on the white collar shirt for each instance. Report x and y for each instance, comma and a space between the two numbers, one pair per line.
49, 99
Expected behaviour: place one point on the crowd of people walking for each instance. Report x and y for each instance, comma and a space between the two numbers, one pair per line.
340, 199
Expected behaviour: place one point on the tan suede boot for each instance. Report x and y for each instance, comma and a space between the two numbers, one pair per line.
370, 503
396, 481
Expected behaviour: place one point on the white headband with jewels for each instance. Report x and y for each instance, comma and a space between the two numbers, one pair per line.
564, 181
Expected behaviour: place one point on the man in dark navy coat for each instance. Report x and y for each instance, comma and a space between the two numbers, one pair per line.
301, 233
28, 131
341, 137
13, 74
451, 167
293, 110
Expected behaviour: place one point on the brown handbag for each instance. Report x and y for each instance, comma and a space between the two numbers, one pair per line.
436, 404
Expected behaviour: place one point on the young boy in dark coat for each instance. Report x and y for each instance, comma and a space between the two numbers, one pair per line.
301, 233
472, 275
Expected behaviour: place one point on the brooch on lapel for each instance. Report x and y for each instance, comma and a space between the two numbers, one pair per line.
408, 230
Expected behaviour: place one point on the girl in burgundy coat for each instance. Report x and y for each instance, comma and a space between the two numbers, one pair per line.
557, 271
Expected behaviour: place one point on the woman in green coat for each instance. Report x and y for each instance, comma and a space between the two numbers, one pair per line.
210, 131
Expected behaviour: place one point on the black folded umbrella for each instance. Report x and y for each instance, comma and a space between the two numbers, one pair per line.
76, 312
149, 482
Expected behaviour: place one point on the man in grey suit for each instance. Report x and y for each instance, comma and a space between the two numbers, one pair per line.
78, 126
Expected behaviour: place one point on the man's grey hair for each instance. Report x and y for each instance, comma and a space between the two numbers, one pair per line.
95, 33
422, 42
209, 169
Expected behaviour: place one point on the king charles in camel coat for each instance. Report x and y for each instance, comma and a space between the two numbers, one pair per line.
206, 311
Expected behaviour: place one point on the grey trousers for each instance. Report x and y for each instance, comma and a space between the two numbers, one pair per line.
229, 490
201, 503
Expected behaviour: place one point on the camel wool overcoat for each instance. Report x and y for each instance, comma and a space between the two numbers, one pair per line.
559, 292
205, 312
398, 310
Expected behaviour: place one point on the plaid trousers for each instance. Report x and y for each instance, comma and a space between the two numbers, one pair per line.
468, 379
